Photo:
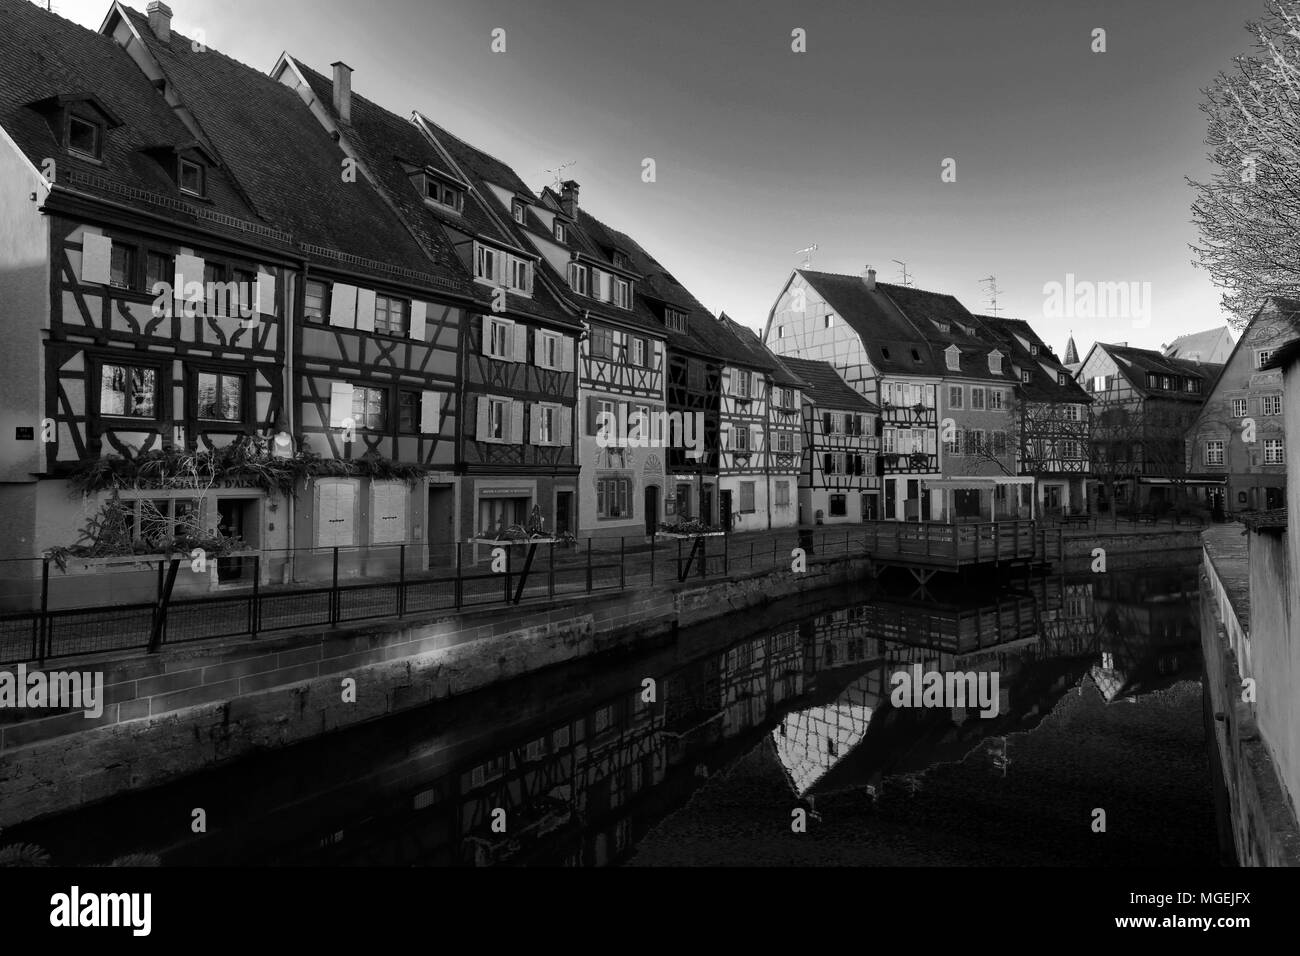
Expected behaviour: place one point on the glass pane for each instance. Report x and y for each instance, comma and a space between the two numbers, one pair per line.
112, 393
232, 398
143, 388
207, 395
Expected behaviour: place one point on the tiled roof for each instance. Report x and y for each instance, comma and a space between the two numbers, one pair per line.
1044, 368
762, 357
1140, 362
281, 156
1200, 343
1272, 520
900, 327
825, 388
47, 56
658, 286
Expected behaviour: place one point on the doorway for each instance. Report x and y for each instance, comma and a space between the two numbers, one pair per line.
564, 512
441, 531
237, 518
724, 509
651, 509
706, 504
891, 500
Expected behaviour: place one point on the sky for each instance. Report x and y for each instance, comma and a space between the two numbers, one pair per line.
1068, 162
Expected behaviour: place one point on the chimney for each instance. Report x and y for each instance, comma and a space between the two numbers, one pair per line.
569, 198
343, 91
869, 277
160, 20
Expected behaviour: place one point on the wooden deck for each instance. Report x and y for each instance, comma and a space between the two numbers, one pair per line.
939, 546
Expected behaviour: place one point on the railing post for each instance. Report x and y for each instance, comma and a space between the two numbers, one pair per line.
45, 638
622, 563
550, 575
334, 589
460, 581
704, 556
401, 583
589, 565
653, 536
509, 551
255, 610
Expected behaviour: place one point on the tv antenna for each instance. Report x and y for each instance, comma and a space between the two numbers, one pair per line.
990, 284
907, 279
807, 255
558, 172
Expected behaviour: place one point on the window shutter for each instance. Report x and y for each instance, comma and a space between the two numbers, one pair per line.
539, 353
431, 413
96, 258
265, 293
566, 354
566, 426
828, 463
520, 347
826, 423
335, 514
481, 430
535, 426
487, 336
516, 433
798, 443
340, 403
756, 437
417, 320
188, 269
343, 306
365, 310
593, 410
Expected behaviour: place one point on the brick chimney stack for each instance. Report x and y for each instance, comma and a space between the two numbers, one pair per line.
869, 277
160, 20
343, 91
569, 198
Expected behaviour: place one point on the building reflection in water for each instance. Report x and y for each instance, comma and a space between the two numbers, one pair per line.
583, 782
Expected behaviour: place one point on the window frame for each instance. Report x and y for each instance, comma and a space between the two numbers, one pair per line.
386, 327
181, 164
127, 363
1242, 404
1269, 445
1270, 401
221, 372
97, 128
361, 421
490, 325
1210, 446
326, 291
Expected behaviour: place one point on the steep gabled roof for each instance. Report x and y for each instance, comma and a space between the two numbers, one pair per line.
1199, 343
763, 358
1138, 363
281, 156
826, 388
907, 331
1044, 368
49, 63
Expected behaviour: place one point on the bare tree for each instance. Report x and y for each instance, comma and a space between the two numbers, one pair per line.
1248, 213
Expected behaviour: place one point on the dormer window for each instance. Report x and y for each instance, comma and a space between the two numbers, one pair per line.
518, 211
1033, 348
190, 177
1060, 378
85, 137
916, 356
577, 278
1024, 375
620, 260
622, 293
561, 234
954, 358
444, 194
675, 319
995, 362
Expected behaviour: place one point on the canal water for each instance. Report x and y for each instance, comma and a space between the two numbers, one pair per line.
768, 738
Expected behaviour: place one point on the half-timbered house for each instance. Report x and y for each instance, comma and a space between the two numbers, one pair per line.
622, 364
377, 313
856, 324
1052, 418
142, 298
517, 344
838, 481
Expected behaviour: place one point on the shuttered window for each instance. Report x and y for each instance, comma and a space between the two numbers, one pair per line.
336, 503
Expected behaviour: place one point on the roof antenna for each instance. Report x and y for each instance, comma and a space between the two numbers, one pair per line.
907, 280
991, 287
807, 255
558, 173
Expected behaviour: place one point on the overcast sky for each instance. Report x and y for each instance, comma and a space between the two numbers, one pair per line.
1067, 161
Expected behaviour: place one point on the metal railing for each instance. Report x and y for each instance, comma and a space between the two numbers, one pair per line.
163, 601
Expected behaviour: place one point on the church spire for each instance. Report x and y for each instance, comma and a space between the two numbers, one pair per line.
1071, 353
